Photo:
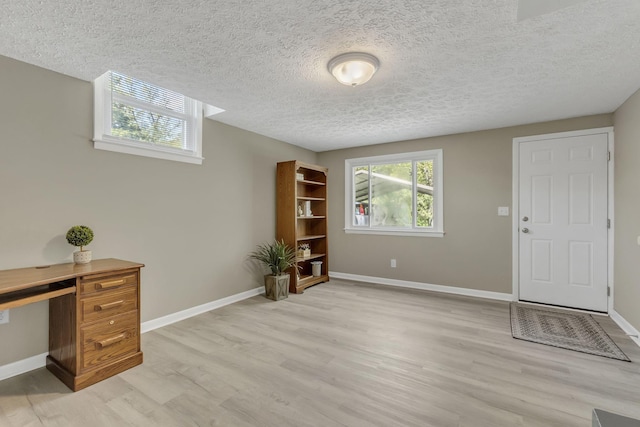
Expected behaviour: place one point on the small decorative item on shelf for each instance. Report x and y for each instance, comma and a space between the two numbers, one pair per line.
316, 268
304, 250
277, 257
307, 208
80, 236
300, 176
300, 212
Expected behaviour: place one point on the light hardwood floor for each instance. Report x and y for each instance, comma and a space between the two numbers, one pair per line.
341, 354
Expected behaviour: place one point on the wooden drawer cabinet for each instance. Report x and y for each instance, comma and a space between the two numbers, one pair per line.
95, 333
109, 339
102, 305
101, 282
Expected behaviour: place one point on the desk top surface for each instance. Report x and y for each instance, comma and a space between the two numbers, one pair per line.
608, 419
24, 278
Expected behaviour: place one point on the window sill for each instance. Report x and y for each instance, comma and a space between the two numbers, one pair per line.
412, 233
120, 146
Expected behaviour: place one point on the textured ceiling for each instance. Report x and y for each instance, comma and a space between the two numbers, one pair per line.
447, 66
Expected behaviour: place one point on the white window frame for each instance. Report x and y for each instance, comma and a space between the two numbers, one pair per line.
437, 230
104, 140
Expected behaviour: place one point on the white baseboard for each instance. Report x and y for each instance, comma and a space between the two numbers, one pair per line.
424, 286
150, 325
39, 361
625, 326
22, 366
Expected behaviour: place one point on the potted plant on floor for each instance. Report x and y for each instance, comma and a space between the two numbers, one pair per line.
80, 236
277, 257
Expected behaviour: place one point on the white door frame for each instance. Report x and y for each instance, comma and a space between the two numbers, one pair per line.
515, 197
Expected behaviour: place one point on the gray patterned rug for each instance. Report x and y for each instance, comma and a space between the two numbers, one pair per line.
564, 329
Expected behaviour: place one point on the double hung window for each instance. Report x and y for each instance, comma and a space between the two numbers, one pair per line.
137, 117
399, 194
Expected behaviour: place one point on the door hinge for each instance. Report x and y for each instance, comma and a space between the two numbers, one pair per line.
608, 223
608, 291
609, 155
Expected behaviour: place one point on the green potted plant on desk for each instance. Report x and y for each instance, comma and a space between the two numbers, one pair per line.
80, 236
277, 257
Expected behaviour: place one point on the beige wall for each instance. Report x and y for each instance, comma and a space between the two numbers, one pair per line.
475, 252
627, 210
191, 225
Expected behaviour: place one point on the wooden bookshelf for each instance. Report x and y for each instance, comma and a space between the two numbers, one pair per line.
306, 191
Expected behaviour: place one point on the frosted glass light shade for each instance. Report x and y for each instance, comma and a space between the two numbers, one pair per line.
353, 69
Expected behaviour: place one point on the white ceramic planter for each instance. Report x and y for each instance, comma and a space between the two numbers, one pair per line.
82, 257
316, 268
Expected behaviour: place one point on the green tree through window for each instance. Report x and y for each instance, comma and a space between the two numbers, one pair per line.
392, 189
141, 124
396, 194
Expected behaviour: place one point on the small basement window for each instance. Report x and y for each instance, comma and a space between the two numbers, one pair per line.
137, 117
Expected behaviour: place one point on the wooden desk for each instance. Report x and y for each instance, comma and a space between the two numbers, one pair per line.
94, 315
602, 418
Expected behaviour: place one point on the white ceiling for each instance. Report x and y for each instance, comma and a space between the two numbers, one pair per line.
447, 66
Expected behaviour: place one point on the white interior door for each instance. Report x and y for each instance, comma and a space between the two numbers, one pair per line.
563, 221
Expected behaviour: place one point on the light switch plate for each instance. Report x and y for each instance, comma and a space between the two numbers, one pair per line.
503, 211
4, 316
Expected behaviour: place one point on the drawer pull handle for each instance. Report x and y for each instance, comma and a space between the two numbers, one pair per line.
108, 305
111, 284
110, 341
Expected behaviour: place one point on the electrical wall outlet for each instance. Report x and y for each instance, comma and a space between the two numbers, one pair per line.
4, 316
393, 263
503, 211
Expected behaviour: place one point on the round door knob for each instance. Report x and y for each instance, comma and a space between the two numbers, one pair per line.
525, 218
525, 230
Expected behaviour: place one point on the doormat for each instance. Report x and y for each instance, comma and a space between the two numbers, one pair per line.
563, 329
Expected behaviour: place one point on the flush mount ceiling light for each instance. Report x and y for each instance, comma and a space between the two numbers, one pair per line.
354, 68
